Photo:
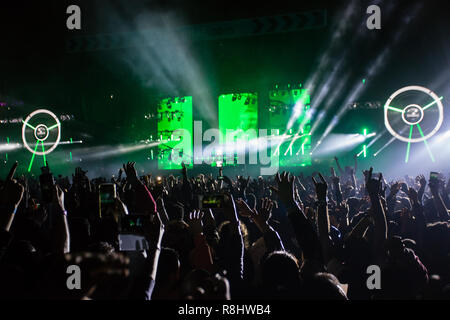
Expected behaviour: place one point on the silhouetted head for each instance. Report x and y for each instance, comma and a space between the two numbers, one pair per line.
280, 273
168, 267
323, 286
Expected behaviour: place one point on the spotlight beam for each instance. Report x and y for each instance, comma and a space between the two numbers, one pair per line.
385, 146
32, 157
409, 144
426, 143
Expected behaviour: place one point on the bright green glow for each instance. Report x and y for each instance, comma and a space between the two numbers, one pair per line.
52, 127
169, 123
29, 125
432, 103
32, 157
426, 143
43, 151
395, 109
238, 118
364, 147
299, 142
70, 153
364, 81
409, 144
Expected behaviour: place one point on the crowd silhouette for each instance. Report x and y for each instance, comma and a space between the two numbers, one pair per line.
282, 237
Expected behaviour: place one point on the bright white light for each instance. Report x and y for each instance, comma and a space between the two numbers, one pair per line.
9, 146
337, 143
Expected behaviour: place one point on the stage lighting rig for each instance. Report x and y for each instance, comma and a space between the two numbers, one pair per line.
40, 128
417, 109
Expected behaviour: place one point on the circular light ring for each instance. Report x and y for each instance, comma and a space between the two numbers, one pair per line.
31, 115
421, 89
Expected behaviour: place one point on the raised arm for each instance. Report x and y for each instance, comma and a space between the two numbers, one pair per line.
438, 202
61, 240
261, 219
10, 196
201, 256
336, 186
145, 201
423, 185
373, 187
323, 220
306, 235
338, 165
237, 243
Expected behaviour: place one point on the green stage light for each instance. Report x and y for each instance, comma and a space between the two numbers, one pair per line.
425, 142
173, 116
238, 117
294, 146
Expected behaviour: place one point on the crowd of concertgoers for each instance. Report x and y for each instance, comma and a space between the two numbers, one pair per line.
281, 237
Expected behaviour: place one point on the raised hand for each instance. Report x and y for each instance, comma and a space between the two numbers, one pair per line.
10, 196
285, 190
260, 218
321, 188
413, 196
195, 222
373, 186
265, 211
422, 180
131, 172
243, 209
12, 192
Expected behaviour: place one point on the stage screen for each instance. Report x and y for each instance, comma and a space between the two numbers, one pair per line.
293, 144
238, 124
174, 114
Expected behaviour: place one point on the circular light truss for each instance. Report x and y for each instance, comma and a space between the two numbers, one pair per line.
41, 132
413, 114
